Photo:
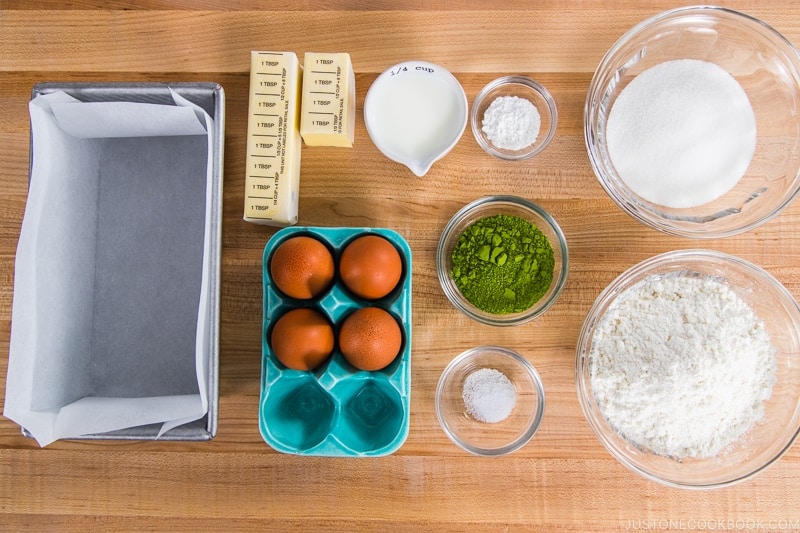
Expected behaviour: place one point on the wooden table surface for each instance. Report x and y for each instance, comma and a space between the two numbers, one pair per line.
563, 479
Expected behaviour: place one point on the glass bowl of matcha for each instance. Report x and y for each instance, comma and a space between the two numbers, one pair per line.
502, 260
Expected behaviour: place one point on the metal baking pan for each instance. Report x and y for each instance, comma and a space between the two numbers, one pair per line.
210, 97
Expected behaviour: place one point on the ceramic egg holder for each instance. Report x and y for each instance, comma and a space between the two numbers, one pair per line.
336, 409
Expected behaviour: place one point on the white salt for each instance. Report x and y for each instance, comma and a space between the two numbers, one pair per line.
489, 396
682, 133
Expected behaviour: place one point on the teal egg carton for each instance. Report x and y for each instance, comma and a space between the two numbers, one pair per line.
336, 410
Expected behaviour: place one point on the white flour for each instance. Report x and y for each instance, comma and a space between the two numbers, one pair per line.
681, 366
511, 123
682, 133
489, 396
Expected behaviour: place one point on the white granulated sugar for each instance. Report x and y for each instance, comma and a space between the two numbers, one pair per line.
682, 133
489, 396
681, 366
511, 123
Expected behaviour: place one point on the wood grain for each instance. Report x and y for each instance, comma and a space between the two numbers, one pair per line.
563, 479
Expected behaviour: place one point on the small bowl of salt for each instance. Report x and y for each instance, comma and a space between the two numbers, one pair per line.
514, 118
490, 401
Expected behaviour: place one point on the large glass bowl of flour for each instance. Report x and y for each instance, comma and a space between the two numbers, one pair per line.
688, 369
692, 122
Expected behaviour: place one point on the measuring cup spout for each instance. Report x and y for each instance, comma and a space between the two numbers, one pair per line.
420, 168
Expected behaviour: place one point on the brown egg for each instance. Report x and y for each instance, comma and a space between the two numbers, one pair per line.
370, 266
302, 339
301, 267
370, 338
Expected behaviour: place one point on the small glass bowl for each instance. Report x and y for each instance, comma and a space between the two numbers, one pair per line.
522, 87
768, 439
507, 205
490, 439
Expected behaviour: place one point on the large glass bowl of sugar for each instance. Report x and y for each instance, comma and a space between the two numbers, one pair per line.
692, 122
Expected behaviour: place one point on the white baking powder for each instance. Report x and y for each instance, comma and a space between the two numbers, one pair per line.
511, 123
682, 133
489, 396
681, 366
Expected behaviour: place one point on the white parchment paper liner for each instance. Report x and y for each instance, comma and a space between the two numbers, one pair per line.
109, 328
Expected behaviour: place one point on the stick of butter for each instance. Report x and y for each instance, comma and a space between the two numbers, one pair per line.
272, 178
328, 116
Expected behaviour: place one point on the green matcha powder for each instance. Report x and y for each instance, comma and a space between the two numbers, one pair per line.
503, 264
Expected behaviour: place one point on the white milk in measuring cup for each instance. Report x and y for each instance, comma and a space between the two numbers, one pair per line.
415, 113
